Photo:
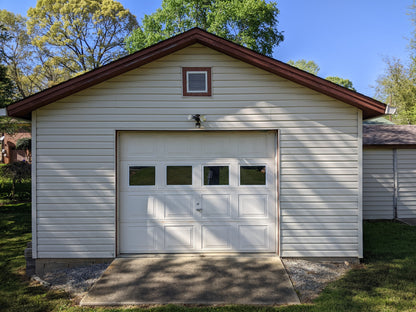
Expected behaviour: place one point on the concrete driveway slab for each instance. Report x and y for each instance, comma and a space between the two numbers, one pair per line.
193, 280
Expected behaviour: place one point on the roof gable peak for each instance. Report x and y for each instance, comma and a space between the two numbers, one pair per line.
24, 107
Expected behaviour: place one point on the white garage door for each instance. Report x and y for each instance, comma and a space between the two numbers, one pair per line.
197, 192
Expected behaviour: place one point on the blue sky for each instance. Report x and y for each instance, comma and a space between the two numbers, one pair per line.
348, 39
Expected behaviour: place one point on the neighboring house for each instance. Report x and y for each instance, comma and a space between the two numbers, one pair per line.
389, 164
9, 153
196, 145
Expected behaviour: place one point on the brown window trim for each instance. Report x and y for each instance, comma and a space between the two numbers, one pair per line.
184, 81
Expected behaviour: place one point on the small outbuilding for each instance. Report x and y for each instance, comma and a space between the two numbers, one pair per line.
389, 171
196, 145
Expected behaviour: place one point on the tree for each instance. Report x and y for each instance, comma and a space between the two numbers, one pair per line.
6, 85
313, 68
308, 66
79, 36
346, 83
251, 23
397, 87
18, 55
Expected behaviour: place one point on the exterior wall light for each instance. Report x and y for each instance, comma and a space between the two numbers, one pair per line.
198, 119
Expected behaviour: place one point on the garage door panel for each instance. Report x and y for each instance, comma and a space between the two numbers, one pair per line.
254, 237
179, 237
180, 146
217, 237
178, 206
216, 206
142, 237
137, 207
217, 145
136, 147
253, 145
252, 206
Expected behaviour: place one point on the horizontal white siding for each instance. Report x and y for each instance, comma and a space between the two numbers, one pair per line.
318, 152
406, 174
378, 183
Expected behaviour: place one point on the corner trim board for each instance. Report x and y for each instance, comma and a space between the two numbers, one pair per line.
34, 188
360, 183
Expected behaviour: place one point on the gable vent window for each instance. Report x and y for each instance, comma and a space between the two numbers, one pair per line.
196, 81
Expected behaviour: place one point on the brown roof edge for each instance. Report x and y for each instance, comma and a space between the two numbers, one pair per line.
24, 107
370, 107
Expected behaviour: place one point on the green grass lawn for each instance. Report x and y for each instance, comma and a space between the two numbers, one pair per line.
386, 281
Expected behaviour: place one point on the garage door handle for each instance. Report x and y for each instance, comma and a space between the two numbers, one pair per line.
199, 209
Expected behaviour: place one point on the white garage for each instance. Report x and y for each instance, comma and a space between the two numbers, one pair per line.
275, 167
197, 192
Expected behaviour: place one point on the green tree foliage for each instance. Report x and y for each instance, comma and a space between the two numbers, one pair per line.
6, 85
19, 56
346, 83
397, 87
17, 172
251, 23
308, 66
79, 36
313, 68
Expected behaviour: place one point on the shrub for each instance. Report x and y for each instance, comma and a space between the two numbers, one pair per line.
16, 172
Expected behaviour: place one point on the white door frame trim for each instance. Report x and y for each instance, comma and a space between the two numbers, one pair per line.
117, 187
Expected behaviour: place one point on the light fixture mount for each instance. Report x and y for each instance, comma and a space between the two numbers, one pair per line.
198, 119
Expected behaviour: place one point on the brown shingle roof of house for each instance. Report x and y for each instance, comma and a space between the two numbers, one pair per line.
370, 107
389, 135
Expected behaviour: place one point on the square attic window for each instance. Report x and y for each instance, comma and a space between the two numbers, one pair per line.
196, 81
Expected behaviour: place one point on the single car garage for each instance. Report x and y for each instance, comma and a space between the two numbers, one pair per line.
270, 160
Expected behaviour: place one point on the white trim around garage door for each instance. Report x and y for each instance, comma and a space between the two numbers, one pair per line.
161, 240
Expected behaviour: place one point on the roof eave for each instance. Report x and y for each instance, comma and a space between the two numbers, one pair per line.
370, 107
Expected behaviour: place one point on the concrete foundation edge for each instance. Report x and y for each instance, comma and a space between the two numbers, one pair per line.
351, 260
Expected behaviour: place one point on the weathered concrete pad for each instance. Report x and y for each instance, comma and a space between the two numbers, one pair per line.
193, 280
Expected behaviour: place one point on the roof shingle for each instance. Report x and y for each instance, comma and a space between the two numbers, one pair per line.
389, 135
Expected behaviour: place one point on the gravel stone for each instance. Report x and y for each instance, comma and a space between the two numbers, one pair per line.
310, 277
75, 281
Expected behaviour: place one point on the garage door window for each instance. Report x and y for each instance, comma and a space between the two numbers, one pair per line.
142, 175
252, 175
179, 175
216, 175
